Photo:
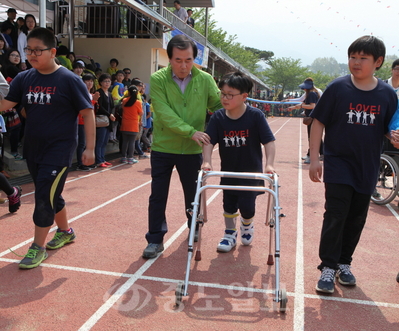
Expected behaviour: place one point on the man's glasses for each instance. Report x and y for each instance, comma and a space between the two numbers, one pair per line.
37, 52
127, 72
227, 96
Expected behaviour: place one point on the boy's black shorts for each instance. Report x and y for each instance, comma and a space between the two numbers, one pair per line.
49, 182
242, 200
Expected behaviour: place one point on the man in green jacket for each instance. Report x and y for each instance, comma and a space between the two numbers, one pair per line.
181, 95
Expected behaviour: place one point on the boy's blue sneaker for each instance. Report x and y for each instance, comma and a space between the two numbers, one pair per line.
345, 276
61, 238
34, 257
14, 200
228, 242
326, 281
247, 233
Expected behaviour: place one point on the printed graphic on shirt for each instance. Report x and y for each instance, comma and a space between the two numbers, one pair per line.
235, 138
362, 114
40, 95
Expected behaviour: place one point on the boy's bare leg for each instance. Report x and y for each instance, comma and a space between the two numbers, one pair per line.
61, 219
41, 235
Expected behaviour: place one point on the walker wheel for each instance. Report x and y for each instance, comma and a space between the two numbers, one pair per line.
179, 293
283, 300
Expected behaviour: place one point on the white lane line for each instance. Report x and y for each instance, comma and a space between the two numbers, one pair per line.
212, 285
137, 275
81, 177
299, 302
393, 211
275, 132
79, 216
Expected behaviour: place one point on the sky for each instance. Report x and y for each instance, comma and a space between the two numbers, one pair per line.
308, 29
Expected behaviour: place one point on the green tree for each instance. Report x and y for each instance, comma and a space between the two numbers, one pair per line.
227, 43
327, 65
284, 74
386, 70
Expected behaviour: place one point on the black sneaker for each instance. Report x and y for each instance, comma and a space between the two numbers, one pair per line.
345, 276
14, 200
83, 168
93, 166
326, 281
152, 250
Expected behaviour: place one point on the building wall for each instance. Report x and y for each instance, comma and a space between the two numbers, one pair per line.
137, 54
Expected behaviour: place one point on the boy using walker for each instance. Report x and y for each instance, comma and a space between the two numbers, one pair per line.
52, 97
240, 130
352, 149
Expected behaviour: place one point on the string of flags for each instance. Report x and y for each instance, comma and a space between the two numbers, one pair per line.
329, 8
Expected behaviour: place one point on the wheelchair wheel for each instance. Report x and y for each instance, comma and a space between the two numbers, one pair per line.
387, 184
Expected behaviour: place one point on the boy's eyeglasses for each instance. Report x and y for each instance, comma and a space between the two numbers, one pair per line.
127, 72
227, 96
37, 52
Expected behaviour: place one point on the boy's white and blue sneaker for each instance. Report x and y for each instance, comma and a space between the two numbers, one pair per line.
247, 233
345, 276
326, 282
228, 242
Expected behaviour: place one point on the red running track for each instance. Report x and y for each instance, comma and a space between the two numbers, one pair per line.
100, 282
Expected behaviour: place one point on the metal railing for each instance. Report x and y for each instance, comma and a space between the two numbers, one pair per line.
121, 21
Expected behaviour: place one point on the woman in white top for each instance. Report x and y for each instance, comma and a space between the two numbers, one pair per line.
30, 24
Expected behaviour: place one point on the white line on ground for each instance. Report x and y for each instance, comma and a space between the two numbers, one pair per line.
137, 275
299, 302
212, 285
79, 216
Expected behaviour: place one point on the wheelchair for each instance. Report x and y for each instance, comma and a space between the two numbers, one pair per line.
387, 183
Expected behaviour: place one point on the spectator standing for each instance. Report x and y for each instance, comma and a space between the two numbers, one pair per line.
127, 81
147, 124
180, 95
180, 12
11, 24
190, 20
394, 79
113, 66
30, 24
105, 107
132, 110
62, 53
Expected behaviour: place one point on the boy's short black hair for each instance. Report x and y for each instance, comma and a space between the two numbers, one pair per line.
43, 34
182, 42
120, 72
77, 64
395, 63
369, 45
238, 81
114, 60
104, 77
88, 77
62, 50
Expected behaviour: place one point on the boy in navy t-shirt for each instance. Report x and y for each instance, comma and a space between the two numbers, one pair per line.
240, 130
52, 97
355, 111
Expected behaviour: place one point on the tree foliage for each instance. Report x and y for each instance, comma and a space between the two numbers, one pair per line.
247, 57
284, 74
